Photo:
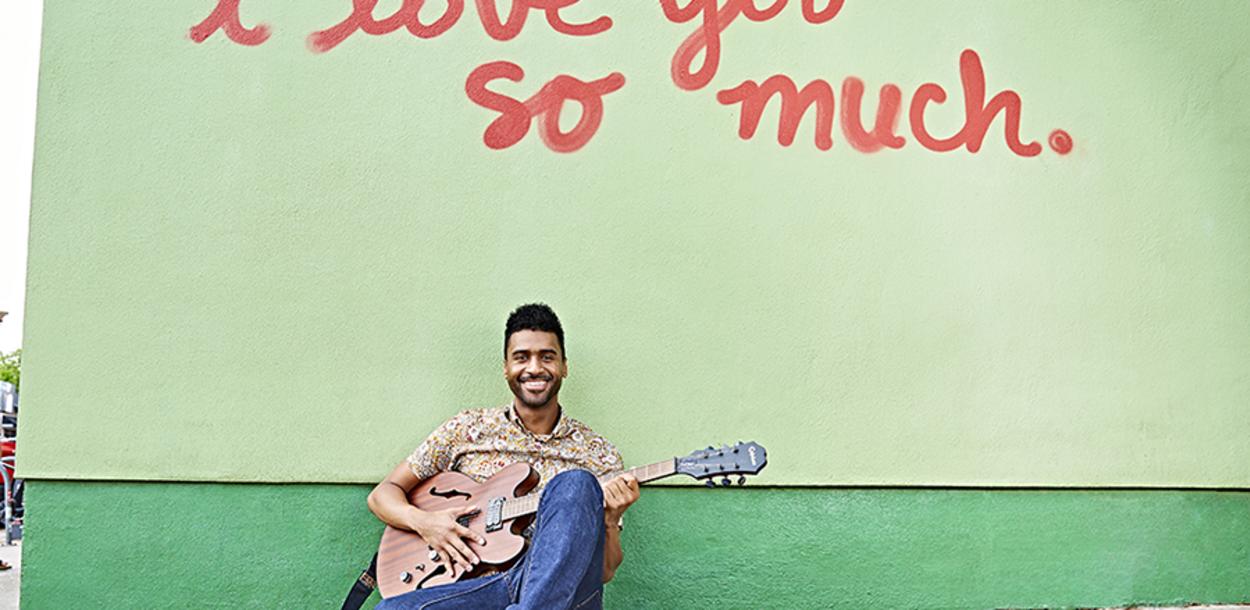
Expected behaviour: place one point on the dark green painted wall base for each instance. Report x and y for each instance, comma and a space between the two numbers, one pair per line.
121, 545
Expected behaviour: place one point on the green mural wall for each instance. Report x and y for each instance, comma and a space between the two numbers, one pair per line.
113, 545
262, 269
265, 263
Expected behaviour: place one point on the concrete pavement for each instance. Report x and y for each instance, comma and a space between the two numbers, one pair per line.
10, 579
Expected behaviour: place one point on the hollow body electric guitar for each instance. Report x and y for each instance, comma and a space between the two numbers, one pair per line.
504, 511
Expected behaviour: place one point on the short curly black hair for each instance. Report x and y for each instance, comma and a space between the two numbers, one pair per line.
534, 316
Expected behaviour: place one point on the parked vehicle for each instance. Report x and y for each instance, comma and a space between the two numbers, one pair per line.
11, 518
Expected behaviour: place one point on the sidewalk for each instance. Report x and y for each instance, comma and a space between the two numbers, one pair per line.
10, 579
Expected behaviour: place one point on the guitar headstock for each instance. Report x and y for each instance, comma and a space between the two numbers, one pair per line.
741, 459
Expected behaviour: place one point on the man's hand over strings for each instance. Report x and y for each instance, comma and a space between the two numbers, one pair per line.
447, 538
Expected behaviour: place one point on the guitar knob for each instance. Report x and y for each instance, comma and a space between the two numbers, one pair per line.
710, 483
742, 480
405, 577
725, 482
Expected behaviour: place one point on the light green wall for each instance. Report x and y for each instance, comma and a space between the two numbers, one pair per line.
265, 264
142, 545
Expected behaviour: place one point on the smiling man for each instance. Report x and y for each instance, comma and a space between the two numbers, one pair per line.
576, 545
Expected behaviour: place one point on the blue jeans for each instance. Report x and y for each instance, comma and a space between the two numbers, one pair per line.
562, 569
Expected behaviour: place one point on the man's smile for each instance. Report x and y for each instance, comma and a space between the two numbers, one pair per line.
535, 384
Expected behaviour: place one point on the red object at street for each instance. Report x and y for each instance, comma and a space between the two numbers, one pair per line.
7, 449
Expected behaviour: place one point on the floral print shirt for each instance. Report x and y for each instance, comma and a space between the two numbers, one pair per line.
481, 442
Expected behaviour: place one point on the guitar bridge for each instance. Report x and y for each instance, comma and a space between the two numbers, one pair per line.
494, 514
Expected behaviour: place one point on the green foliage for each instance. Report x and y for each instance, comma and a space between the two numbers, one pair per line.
11, 368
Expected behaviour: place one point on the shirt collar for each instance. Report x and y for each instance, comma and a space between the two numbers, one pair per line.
560, 431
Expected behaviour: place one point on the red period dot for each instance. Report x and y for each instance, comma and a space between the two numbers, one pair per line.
1060, 141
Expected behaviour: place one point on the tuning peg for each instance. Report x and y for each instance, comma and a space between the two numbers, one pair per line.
742, 480
711, 448
710, 483
736, 447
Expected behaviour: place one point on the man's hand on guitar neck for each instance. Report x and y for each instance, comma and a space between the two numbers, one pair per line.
447, 537
618, 495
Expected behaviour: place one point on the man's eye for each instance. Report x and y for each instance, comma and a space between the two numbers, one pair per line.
548, 358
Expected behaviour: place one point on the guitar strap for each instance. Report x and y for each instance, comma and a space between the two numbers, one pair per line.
363, 586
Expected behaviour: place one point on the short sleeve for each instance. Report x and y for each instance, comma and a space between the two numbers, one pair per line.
437, 452
604, 458
613, 461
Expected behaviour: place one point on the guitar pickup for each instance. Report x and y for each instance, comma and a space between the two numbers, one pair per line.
494, 514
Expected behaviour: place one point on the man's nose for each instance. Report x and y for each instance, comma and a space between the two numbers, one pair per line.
533, 365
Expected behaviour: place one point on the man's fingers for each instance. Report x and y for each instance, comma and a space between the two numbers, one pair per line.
620, 492
453, 554
467, 510
462, 548
465, 532
610, 494
444, 559
626, 484
460, 552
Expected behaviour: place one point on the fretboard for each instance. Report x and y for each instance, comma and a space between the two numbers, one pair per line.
525, 505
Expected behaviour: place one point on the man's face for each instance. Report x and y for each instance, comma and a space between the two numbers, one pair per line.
534, 367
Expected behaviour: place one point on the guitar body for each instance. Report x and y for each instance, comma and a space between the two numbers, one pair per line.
404, 557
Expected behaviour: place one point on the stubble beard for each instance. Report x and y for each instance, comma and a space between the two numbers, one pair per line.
548, 397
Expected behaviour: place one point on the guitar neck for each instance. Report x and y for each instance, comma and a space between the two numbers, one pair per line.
526, 505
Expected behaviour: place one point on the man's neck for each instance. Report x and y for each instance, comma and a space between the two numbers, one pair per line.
539, 420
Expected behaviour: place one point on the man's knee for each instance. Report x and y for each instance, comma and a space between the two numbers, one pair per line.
576, 486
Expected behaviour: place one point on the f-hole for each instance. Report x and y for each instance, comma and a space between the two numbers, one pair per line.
449, 493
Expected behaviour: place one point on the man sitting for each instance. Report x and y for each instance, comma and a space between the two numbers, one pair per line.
575, 544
